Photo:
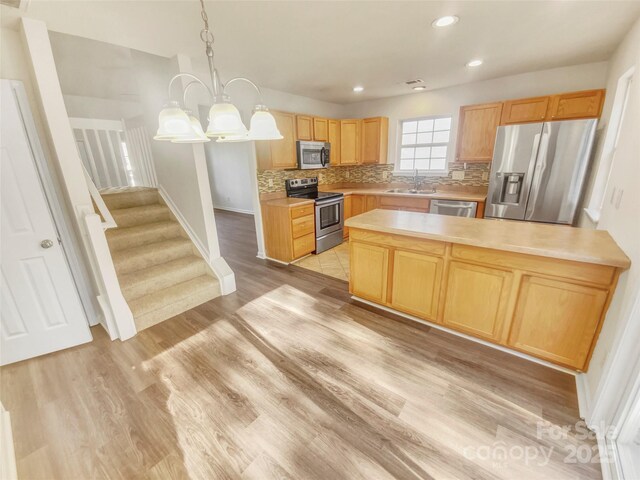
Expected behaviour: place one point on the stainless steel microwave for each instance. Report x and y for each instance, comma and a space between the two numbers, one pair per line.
313, 154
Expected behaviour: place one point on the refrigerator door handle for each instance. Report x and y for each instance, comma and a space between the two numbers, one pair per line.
538, 173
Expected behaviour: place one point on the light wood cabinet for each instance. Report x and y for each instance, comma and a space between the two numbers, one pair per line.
320, 129
304, 125
416, 283
289, 230
347, 214
556, 319
375, 136
576, 105
333, 133
279, 154
477, 128
349, 142
369, 266
363, 203
525, 110
404, 203
477, 299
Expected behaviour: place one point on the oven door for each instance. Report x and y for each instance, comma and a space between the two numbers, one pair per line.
313, 155
329, 216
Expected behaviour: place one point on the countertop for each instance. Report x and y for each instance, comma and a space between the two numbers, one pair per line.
438, 195
287, 202
554, 241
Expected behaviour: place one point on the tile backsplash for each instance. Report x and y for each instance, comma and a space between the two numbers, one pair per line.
473, 176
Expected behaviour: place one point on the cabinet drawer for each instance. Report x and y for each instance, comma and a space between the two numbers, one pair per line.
398, 241
304, 245
585, 272
400, 203
302, 211
302, 226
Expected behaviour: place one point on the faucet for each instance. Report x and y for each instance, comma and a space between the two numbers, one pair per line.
416, 182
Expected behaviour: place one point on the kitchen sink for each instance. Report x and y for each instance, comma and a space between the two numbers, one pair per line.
410, 190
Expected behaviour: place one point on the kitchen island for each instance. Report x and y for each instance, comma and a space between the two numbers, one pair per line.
538, 289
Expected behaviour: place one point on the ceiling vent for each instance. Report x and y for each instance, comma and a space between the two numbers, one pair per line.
413, 82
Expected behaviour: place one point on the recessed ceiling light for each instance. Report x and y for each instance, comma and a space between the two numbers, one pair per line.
420, 87
358, 89
474, 63
445, 21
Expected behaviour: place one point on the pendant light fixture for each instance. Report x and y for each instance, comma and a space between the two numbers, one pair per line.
178, 125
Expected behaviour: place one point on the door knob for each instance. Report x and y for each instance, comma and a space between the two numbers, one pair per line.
46, 243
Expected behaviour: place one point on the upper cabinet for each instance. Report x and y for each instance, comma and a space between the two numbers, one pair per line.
525, 110
304, 125
333, 137
320, 129
477, 132
375, 135
277, 154
575, 105
350, 142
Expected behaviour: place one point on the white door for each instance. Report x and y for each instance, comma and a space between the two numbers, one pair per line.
41, 310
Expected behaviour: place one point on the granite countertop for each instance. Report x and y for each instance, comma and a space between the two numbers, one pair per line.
383, 191
287, 202
554, 241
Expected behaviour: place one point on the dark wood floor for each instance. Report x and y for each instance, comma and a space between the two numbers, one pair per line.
288, 378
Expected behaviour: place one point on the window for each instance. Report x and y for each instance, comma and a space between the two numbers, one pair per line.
610, 144
424, 144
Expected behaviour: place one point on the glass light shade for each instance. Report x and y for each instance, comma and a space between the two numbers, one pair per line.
197, 134
173, 123
263, 126
225, 121
234, 139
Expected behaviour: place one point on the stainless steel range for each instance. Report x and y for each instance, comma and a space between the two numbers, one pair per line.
329, 211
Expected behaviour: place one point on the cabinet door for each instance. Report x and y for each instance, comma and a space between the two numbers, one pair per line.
369, 267
371, 202
333, 128
476, 299
349, 142
556, 320
375, 133
276, 154
525, 110
320, 129
347, 213
585, 104
416, 283
283, 152
305, 127
477, 132
358, 205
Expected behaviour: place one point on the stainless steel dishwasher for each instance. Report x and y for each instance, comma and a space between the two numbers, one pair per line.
457, 208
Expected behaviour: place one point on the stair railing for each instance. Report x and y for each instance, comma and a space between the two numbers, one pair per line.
107, 218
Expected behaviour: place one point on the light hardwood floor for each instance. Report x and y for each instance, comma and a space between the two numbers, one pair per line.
287, 378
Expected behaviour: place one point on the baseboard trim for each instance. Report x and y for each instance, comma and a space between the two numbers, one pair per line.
468, 337
236, 210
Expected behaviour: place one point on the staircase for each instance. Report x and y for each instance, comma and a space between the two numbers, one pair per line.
161, 273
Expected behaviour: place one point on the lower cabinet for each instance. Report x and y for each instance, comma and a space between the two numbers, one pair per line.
476, 300
416, 283
556, 320
369, 267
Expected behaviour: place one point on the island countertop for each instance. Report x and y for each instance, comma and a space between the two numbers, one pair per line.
554, 241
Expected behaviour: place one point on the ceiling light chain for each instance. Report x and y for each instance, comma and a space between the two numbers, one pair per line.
180, 126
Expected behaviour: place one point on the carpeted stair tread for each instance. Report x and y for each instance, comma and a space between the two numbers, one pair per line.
145, 256
151, 279
115, 201
176, 294
128, 217
138, 235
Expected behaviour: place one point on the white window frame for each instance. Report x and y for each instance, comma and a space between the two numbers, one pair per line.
607, 156
423, 173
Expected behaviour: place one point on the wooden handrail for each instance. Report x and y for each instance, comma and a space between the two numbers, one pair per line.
108, 221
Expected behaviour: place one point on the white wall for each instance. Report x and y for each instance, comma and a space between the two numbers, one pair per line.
615, 353
447, 101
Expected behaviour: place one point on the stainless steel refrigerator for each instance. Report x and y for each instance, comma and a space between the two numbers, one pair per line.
538, 171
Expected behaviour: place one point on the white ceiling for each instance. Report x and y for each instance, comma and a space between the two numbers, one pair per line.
322, 49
